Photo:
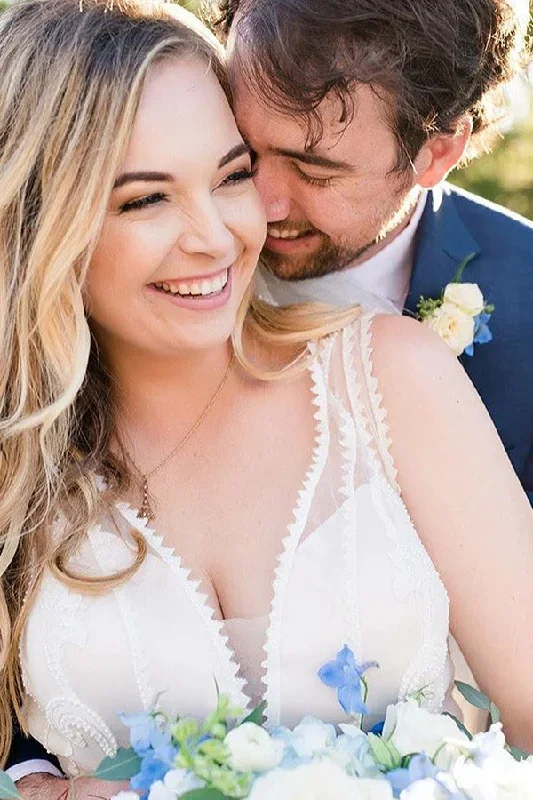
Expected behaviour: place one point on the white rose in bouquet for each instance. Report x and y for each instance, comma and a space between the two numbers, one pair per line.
415, 730
252, 749
466, 296
500, 777
320, 780
453, 326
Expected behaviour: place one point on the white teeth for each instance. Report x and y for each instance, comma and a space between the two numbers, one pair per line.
276, 233
204, 287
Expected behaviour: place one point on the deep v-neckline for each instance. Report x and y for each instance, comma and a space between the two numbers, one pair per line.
226, 656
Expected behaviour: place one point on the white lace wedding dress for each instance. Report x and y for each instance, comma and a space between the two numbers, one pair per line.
352, 570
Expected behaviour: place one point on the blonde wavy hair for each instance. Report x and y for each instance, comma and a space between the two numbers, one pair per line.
71, 75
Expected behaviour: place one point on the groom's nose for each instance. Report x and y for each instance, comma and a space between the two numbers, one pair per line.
273, 191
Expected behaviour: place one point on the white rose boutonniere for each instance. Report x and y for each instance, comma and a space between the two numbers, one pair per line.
460, 316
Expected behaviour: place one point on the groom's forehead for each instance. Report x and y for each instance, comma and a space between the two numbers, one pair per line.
266, 126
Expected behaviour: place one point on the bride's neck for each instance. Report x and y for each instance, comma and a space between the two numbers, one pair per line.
152, 391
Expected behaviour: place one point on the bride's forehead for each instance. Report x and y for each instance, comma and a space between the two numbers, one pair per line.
183, 114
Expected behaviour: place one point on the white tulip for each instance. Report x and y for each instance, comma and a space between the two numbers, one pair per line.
252, 749
466, 296
415, 730
453, 326
320, 780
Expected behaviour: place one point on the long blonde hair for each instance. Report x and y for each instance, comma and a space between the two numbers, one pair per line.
71, 75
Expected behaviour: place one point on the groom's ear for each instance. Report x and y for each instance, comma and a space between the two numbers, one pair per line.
441, 153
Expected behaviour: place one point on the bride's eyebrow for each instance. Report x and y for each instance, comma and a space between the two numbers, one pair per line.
158, 177
143, 177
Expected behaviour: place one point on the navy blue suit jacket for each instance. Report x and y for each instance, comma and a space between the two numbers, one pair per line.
456, 224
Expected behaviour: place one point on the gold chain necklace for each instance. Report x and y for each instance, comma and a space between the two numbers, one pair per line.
146, 512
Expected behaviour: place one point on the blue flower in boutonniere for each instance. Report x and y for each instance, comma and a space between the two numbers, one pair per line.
460, 316
347, 676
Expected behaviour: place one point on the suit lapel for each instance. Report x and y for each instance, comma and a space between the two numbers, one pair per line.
443, 243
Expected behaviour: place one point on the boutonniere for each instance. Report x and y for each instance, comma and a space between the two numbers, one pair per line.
460, 316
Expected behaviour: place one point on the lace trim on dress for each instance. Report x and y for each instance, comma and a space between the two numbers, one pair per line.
103, 544
378, 418
272, 647
353, 387
65, 713
224, 655
414, 570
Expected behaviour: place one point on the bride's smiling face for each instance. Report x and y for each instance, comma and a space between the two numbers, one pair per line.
184, 226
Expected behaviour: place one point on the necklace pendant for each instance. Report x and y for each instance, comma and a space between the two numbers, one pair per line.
145, 511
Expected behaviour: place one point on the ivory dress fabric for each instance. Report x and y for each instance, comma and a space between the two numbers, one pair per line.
351, 570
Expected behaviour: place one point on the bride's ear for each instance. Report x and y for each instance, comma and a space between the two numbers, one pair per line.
441, 153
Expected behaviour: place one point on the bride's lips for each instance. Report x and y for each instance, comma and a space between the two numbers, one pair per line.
302, 245
198, 302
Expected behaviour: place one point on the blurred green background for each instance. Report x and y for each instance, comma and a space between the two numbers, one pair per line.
505, 175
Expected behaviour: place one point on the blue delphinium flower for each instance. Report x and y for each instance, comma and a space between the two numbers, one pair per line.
420, 767
154, 766
140, 726
482, 333
152, 742
346, 675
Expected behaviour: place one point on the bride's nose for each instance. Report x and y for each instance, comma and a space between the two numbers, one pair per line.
205, 232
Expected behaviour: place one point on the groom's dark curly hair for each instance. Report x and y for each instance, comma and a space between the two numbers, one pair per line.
432, 61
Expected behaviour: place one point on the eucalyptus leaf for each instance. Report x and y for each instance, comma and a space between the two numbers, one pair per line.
473, 696
8, 790
459, 724
122, 767
203, 794
495, 713
256, 715
518, 755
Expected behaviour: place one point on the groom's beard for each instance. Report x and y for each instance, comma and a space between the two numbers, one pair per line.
328, 258
332, 257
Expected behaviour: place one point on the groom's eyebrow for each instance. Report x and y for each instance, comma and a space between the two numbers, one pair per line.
313, 159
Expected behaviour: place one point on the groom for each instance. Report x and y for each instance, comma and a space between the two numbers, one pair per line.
357, 110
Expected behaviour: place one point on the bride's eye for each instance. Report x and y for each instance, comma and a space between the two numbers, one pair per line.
238, 176
142, 202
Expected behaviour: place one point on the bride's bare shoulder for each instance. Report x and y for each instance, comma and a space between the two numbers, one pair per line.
408, 352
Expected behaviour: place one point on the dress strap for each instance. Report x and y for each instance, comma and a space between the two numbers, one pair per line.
370, 398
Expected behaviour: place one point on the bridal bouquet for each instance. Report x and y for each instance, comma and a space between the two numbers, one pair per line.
413, 754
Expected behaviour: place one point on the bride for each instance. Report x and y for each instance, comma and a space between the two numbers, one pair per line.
199, 490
